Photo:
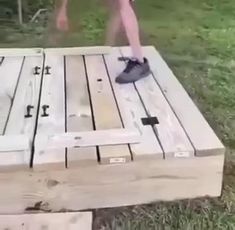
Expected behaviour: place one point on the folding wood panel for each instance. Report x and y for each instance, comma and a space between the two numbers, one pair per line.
132, 111
105, 111
79, 115
20, 96
171, 135
201, 135
51, 118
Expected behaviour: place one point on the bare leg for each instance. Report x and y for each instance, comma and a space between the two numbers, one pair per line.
130, 24
114, 24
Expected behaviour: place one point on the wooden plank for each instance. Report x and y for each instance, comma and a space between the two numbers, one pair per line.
52, 95
106, 114
27, 94
9, 74
174, 141
93, 50
88, 139
18, 52
200, 133
47, 221
110, 186
79, 117
132, 111
10, 143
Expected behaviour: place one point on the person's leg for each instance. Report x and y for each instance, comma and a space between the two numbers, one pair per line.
114, 24
137, 67
131, 26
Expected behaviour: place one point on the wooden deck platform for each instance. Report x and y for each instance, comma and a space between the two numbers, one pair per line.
71, 138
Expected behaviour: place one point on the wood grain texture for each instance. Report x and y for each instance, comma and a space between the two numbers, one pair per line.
27, 94
47, 221
106, 114
53, 95
174, 141
86, 139
200, 133
9, 143
132, 111
9, 74
79, 117
93, 50
111, 185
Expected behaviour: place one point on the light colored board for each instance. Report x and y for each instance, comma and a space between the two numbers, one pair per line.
105, 111
88, 139
27, 93
9, 74
132, 111
53, 95
93, 50
201, 134
174, 141
79, 117
17, 52
10, 143
50, 221
92, 187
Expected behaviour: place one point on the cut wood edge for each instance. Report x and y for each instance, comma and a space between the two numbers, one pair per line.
10, 143
14, 52
95, 50
87, 139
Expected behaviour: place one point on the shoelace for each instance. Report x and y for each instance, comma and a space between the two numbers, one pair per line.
131, 63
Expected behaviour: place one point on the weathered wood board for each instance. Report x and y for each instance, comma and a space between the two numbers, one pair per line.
19, 102
92, 187
49, 221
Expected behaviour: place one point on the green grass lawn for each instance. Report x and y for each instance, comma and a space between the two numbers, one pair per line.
197, 39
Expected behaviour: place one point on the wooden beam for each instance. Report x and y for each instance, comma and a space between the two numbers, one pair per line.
87, 139
49, 221
91, 187
17, 52
95, 50
9, 143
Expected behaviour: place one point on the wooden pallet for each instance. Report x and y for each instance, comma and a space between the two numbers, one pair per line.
93, 143
51, 221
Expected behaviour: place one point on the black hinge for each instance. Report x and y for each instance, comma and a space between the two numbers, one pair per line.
47, 68
29, 108
149, 121
36, 70
44, 111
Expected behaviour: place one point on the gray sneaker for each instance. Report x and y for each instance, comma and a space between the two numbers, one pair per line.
134, 71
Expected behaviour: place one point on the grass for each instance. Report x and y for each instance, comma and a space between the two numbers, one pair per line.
197, 39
